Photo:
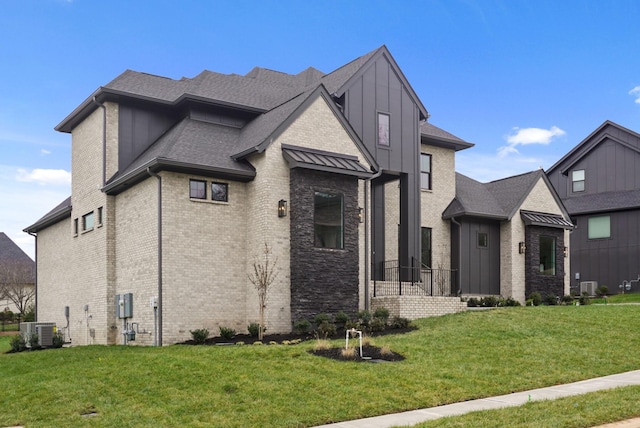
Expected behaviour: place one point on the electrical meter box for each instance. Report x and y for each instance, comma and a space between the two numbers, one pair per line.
124, 305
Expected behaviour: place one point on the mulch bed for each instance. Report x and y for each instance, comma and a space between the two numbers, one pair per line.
371, 353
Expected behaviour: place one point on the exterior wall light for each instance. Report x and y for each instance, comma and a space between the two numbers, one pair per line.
282, 208
566, 251
521, 247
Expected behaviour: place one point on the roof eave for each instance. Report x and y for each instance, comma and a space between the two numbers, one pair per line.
49, 220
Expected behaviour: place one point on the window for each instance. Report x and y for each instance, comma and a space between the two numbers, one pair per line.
99, 216
599, 227
426, 246
483, 240
547, 255
425, 171
220, 192
197, 189
87, 221
75, 226
577, 180
328, 220
383, 129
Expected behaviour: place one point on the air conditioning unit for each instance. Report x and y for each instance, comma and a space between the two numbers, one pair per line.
45, 334
29, 328
589, 287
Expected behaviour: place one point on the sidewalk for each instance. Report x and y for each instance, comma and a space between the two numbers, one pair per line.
510, 400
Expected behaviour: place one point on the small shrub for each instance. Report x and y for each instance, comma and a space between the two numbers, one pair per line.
510, 301
273, 342
227, 333
254, 329
33, 341
381, 313
321, 345
473, 302
18, 344
302, 326
352, 324
550, 300
567, 300
602, 291
364, 317
320, 318
30, 314
240, 343
489, 302
536, 298
57, 340
399, 322
326, 329
385, 350
377, 325
342, 318
199, 336
584, 299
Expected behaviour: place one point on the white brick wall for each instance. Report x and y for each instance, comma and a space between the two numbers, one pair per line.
414, 307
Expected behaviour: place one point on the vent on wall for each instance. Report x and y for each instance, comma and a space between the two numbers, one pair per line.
589, 287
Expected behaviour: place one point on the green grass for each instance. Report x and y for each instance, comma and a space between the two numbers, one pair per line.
619, 298
449, 359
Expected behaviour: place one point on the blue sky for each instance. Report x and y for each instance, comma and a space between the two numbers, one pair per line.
524, 81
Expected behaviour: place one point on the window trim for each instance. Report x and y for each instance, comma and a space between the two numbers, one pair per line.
341, 245
379, 129
589, 227
226, 193
89, 215
204, 195
486, 239
430, 173
554, 256
99, 219
76, 227
574, 181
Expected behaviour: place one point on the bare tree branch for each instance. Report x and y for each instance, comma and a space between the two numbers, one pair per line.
17, 283
263, 275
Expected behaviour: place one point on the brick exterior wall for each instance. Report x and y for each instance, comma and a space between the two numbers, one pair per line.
512, 263
535, 281
322, 280
414, 307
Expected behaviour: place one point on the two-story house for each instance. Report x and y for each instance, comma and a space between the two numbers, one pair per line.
599, 183
177, 185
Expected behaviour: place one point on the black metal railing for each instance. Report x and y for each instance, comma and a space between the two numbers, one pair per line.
393, 279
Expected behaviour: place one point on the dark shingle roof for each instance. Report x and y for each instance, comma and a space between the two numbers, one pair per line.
60, 212
432, 134
10, 252
498, 199
602, 202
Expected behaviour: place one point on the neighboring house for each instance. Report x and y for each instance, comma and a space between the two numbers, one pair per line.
178, 184
599, 184
509, 237
17, 277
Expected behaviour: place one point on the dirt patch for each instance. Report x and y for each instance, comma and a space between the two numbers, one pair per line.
369, 353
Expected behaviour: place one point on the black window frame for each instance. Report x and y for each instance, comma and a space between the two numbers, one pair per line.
427, 173
85, 227
583, 181
215, 193
383, 138
320, 232
191, 189
545, 266
482, 240
426, 254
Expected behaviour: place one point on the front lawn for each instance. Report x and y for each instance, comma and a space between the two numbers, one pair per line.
449, 359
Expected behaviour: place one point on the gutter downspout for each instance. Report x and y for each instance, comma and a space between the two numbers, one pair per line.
104, 140
367, 274
159, 335
454, 221
35, 297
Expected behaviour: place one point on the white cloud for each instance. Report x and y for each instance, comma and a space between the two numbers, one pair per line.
526, 136
44, 176
45, 152
636, 93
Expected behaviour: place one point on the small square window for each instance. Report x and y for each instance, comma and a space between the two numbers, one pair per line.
599, 227
219, 192
87, 221
197, 189
383, 129
483, 240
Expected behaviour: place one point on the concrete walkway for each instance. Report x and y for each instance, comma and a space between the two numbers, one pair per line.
510, 400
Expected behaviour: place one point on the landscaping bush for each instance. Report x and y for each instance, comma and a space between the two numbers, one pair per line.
326, 329
399, 322
377, 325
536, 298
364, 317
550, 300
199, 336
489, 302
584, 299
473, 302
602, 291
320, 318
302, 326
33, 341
342, 318
254, 329
381, 313
18, 344
58, 340
510, 301
567, 300
227, 333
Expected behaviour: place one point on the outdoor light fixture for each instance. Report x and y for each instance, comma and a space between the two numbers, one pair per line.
566, 251
360, 217
521, 247
282, 208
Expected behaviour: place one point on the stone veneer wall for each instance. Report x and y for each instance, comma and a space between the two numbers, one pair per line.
535, 281
414, 307
322, 280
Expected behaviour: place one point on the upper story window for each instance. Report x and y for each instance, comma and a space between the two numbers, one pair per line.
547, 255
483, 240
75, 227
383, 129
599, 227
219, 192
577, 180
197, 189
87, 221
425, 171
328, 218
99, 216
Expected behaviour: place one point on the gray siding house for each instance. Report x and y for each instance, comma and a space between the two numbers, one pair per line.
599, 184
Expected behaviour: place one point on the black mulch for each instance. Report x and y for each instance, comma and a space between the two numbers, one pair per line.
369, 353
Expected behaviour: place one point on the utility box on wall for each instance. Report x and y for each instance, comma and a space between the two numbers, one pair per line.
124, 305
